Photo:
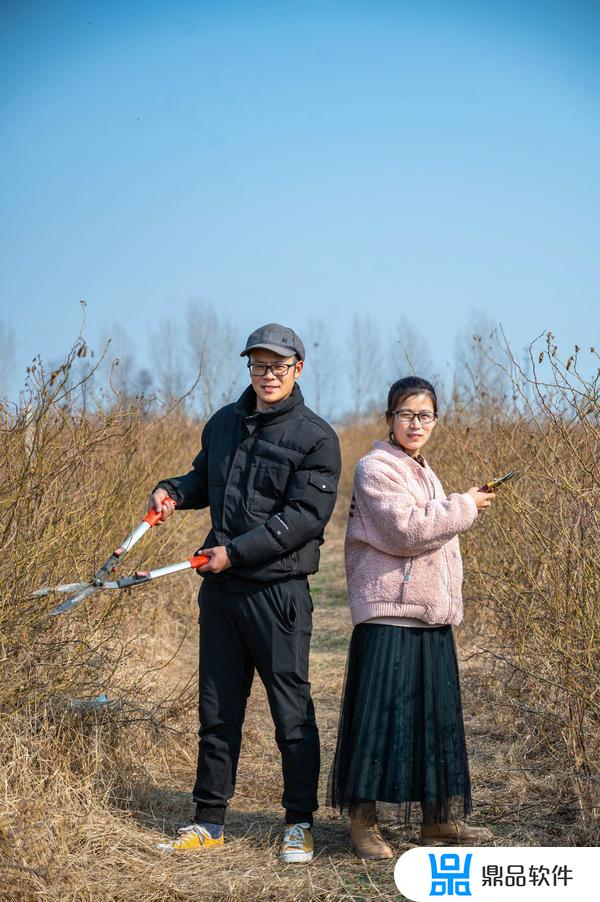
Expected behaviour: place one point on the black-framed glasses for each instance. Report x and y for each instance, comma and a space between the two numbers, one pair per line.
280, 370
425, 417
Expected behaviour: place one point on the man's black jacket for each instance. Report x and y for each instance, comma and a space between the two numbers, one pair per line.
270, 480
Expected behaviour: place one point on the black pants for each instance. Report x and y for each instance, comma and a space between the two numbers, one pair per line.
268, 630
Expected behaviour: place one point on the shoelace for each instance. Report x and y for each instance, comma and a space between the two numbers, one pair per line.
294, 837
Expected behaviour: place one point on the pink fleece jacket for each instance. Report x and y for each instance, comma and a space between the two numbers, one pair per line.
402, 552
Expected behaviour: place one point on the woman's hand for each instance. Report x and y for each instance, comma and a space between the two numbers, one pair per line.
481, 499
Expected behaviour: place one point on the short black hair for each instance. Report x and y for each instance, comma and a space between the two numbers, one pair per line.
405, 388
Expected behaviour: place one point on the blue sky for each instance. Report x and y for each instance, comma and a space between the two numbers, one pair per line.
290, 160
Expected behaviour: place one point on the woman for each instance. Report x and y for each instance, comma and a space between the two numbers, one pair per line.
401, 737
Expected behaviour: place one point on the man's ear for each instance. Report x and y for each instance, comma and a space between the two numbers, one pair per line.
299, 368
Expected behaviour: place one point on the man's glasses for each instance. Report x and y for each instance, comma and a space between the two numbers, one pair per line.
425, 417
278, 369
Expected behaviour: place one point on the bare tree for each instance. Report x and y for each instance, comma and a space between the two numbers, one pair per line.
144, 382
364, 363
477, 378
409, 351
214, 349
80, 380
321, 374
7, 358
118, 370
167, 362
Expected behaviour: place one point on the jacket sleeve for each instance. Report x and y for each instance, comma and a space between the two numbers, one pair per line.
396, 523
309, 502
190, 492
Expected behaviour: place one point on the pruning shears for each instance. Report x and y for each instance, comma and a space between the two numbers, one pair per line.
493, 484
100, 579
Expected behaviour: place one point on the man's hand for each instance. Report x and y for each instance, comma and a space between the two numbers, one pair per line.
162, 504
219, 559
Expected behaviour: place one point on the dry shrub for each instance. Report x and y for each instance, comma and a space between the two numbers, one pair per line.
74, 482
532, 575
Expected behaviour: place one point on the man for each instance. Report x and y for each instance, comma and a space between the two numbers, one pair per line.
268, 470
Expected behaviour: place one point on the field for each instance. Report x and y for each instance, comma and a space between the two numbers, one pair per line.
95, 835
86, 795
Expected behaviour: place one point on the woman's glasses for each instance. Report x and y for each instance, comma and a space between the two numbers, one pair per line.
425, 417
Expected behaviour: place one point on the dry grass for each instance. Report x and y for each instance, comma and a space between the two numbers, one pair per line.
86, 800
86, 797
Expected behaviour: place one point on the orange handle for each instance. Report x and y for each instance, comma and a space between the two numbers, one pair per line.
199, 560
152, 517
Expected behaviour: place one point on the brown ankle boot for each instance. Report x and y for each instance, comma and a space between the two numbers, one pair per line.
453, 833
367, 840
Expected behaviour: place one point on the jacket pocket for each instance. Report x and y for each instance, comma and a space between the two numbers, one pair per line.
322, 483
323, 499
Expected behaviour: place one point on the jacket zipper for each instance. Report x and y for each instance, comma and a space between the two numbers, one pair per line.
407, 575
446, 567
448, 587
229, 476
431, 486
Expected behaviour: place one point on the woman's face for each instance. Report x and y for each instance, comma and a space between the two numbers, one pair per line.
408, 431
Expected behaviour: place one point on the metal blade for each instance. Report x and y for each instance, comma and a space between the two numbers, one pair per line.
71, 602
98, 581
68, 587
504, 478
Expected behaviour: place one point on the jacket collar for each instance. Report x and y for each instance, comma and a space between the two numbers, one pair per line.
401, 455
246, 407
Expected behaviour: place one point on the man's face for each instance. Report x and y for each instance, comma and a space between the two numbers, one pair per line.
270, 388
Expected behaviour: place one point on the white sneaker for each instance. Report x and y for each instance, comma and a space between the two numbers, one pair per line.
297, 843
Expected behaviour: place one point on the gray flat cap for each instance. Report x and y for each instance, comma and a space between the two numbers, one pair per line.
276, 338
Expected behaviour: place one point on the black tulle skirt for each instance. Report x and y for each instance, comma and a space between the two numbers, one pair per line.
401, 735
